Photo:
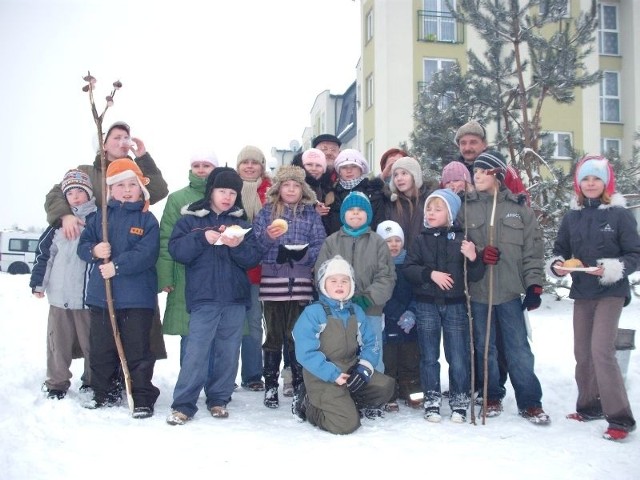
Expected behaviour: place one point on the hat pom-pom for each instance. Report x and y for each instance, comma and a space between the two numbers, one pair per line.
394, 197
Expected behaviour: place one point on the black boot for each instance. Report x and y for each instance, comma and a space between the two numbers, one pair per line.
271, 372
298, 405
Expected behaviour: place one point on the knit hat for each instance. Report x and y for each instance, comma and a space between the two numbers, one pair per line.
325, 137
297, 174
118, 124
250, 152
492, 159
313, 154
204, 204
455, 171
412, 166
349, 156
356, 199
597, 166
76, 179
451, 200
389, 228
124, 168
228, 179
335, 266
471, 128
204, 156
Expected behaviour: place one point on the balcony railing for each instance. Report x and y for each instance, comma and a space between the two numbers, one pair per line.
439, 27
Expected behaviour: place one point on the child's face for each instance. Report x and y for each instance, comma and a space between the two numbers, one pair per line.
592, 187
202, 169
250, 170
222, 199
355, 217
350, 172
76, 197
395, 245
290, 192
457, 185
402, 179
437, 213
128, 190
314, 168
337, 286
117, 145
484, 182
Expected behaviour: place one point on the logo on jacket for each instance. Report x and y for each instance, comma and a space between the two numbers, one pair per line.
607, 228
136, 231
513, 215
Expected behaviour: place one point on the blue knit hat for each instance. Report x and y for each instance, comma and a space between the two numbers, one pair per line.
451, 200
356, 199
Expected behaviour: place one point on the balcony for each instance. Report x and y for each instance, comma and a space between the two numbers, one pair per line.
439, 27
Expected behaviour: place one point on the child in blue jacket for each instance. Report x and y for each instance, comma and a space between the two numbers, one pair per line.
132, 252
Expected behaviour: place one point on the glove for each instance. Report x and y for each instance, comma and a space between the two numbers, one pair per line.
490, 255
532, 298
363, 301
407, 321
359, 376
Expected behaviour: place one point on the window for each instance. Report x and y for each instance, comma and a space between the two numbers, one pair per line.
562, 8
438, 24
369, 26
370, 152
369, 87
610, 97
430, 67
562, 141
608, 32
609, 144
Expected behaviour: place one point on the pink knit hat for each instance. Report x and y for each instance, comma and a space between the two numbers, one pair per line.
454, 171
316, 155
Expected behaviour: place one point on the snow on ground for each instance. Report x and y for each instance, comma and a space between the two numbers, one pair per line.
46, 439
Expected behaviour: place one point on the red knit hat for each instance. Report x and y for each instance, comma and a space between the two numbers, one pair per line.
124, 168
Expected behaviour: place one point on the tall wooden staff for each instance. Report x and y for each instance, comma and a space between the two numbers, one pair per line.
97, 118
470, 316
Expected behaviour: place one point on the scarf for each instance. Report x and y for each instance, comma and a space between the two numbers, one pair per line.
351, 184
355, 233
399, 259
250, 198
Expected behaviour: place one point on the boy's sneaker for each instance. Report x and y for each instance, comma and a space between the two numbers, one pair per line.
583, 417
53, 394
615, 434
255, 386
219, 411
177, 418
109, 401
371, 413
459, 416
415, 400
536, 415
391, 407
142, 412
287, 382
494, 408
432, 414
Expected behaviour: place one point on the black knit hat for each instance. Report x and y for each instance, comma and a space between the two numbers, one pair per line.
326, 137
490, 160
221, 177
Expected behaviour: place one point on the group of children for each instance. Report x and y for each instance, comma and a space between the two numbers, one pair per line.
353, 311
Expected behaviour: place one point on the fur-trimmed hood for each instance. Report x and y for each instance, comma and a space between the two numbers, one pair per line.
617, 200
297, 174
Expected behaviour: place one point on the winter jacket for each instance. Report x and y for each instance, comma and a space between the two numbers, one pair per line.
517, 236
372, 188
398, 304
58, 270
438, 249
398, 209
596, 234
214, 273
368, 254
340, 351
56, 205
170, 272
134, 237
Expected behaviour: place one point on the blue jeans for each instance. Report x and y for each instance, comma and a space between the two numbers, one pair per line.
251, 347
453, 323
376, 324
217, 327
517, 352
183, 348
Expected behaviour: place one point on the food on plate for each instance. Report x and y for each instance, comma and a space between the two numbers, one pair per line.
280, 223
573, 263
234, 227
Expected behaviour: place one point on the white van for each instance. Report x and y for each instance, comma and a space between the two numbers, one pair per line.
17, 251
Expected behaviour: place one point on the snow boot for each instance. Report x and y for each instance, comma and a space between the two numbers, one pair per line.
270, 373
535, 415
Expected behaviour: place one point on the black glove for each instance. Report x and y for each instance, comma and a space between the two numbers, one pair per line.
286, 255
359, 376
490, 255
532, 298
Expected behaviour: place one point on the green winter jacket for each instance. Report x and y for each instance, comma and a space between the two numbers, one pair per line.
519, 239
368, 254
170, 272
56, 205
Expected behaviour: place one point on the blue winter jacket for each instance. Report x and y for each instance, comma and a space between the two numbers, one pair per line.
311, 323
134, 237
214, 273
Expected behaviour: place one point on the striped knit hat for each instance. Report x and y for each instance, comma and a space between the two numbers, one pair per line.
492, 160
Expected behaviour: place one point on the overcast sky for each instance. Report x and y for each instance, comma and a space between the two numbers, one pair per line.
196, 75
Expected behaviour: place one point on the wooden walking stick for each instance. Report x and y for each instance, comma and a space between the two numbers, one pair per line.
91, 81
487, 337
470, 316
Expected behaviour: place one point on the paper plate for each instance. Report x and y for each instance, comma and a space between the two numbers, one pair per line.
232, 233
580, 269
296, 247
